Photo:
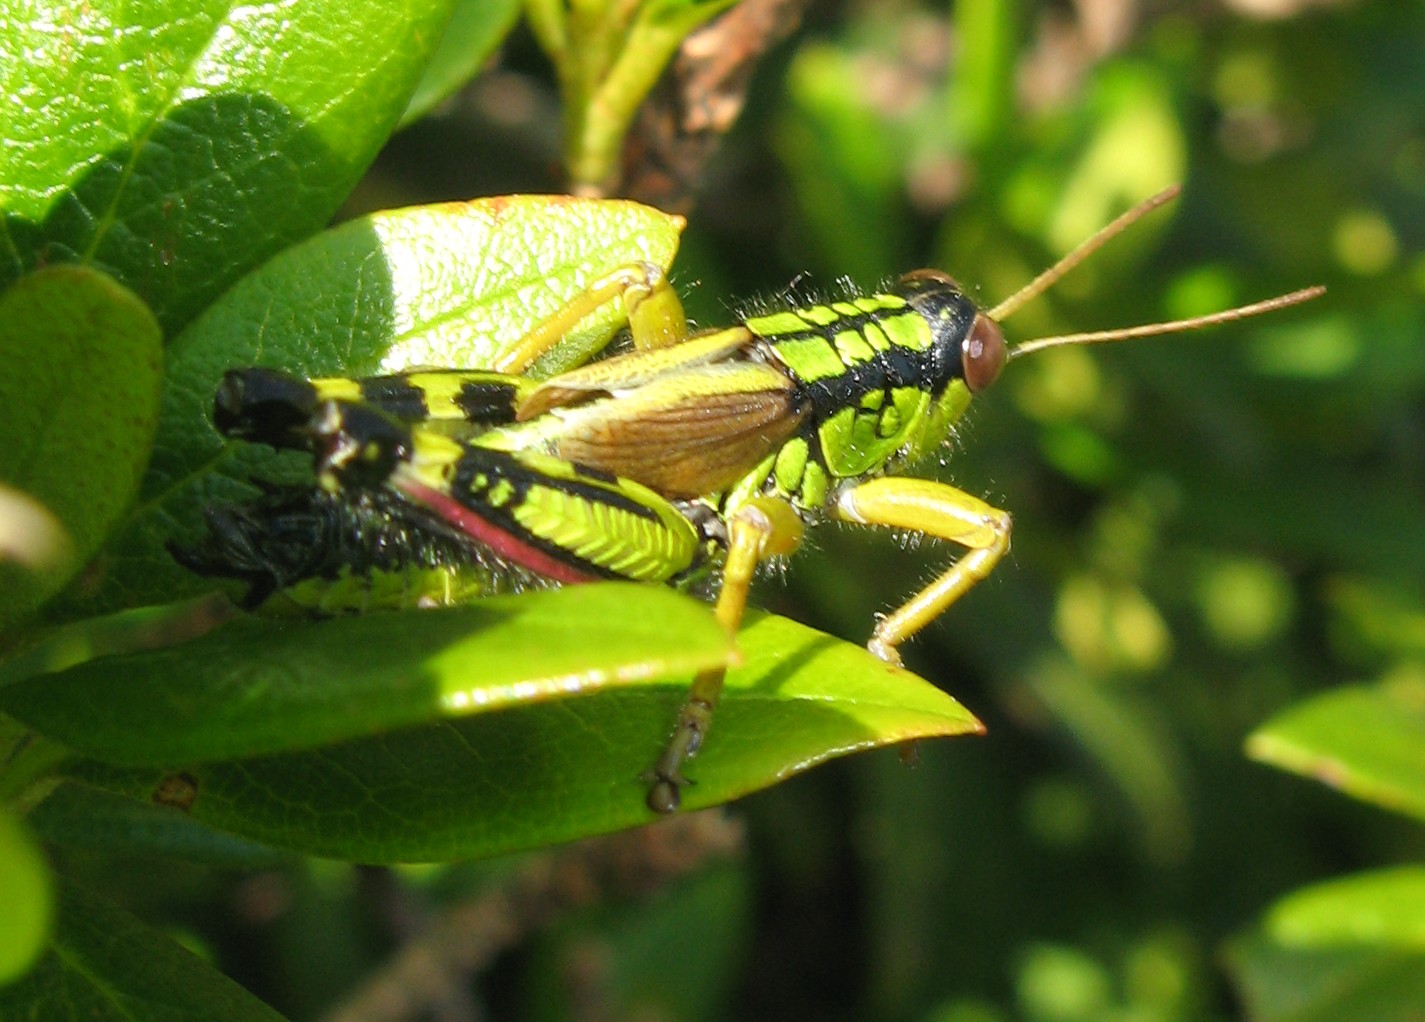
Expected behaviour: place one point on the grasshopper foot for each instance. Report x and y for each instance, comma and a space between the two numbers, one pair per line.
885, 651
665, 794
666, 774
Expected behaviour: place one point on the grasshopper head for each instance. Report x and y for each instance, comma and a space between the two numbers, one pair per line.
968, 348
967, 343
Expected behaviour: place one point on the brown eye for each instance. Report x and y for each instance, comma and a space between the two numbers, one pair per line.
982, 354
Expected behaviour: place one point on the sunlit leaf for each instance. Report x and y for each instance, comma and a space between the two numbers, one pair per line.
177, 144
551, 770
475, 29
261, 686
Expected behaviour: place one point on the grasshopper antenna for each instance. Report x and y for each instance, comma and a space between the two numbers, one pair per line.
1082, 251
1175, 326
1055, 273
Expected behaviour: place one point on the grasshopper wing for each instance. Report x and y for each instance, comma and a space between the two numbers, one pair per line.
688, 434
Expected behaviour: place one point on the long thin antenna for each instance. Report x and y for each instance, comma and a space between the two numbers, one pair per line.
1173, 327
1051, 276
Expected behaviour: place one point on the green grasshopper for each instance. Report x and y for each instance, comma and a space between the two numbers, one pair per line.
684, 457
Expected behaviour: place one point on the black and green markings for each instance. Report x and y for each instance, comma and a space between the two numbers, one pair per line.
272, 407
683, 457
563, 521
330, 552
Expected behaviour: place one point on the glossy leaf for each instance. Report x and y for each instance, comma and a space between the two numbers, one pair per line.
124, 632
556, 770
77, 455
178, 144
1367, 741
260, 686
106, 966
448, 285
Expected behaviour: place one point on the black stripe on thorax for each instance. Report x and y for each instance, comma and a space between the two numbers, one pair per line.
843, 322
888, 370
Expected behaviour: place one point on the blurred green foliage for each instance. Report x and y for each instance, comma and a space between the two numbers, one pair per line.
1218, 538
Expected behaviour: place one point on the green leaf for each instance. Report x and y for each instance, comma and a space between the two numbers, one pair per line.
25, 893
551, 771
75, 448
1342, 985
475, 30
77, 816
1367, 741
105, 965
1347, 949
261, 686
57, 648
1383, 908
178, 144
448, 285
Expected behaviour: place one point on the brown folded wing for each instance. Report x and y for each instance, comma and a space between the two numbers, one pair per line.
689, 434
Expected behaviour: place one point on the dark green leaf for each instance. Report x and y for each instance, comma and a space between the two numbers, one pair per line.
262, 686
77, 816
75, 448
60, 647
106, 966
178, 144
552, 771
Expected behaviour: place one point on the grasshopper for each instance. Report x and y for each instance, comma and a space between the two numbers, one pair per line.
685, 457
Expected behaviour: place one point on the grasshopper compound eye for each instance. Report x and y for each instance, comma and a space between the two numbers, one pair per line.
983, 353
